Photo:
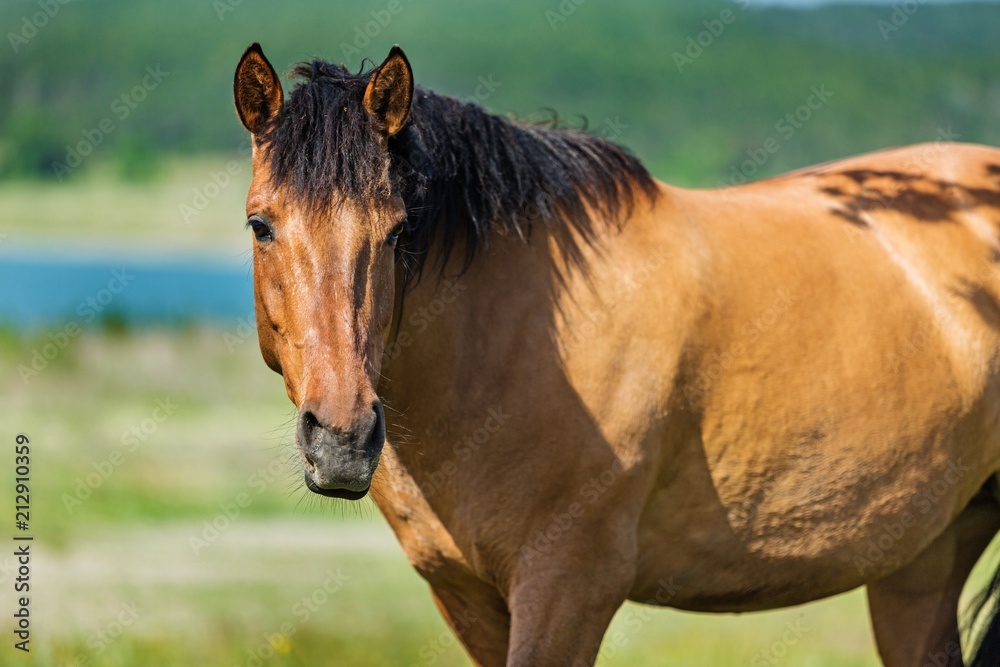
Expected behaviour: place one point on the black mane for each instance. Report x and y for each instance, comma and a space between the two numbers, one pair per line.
462, 172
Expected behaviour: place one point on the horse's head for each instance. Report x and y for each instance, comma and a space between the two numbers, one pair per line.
325, 220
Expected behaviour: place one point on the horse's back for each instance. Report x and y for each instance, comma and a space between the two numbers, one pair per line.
890, 239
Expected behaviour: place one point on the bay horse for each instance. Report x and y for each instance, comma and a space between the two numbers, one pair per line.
567, 384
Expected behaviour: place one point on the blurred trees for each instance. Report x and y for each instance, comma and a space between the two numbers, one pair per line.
615, 64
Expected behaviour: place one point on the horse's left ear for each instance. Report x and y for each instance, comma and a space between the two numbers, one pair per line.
257, 90
390, 92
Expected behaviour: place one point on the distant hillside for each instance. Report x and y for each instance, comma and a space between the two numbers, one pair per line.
696, 89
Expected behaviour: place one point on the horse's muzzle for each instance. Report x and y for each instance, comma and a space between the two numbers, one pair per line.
340, 463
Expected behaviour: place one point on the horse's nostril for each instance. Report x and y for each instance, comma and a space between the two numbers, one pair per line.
377, 438
307, 427
309, 421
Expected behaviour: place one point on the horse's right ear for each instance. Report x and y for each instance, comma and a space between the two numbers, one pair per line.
389, 93
257, 90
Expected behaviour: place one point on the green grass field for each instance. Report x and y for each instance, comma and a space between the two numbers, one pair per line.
181, 210
120, 581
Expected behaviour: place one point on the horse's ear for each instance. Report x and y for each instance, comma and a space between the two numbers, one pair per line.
257, 90
390, 92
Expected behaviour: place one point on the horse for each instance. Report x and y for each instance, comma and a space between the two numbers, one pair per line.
567, 384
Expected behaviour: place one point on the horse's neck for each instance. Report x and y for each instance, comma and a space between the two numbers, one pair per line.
458, 332
449, 315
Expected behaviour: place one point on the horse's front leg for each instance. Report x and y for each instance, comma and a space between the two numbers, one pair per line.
479, 618
562, 600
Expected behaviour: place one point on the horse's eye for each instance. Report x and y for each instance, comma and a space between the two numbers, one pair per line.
262, 229
396, 232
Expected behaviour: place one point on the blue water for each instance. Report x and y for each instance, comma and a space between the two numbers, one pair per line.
42, 290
